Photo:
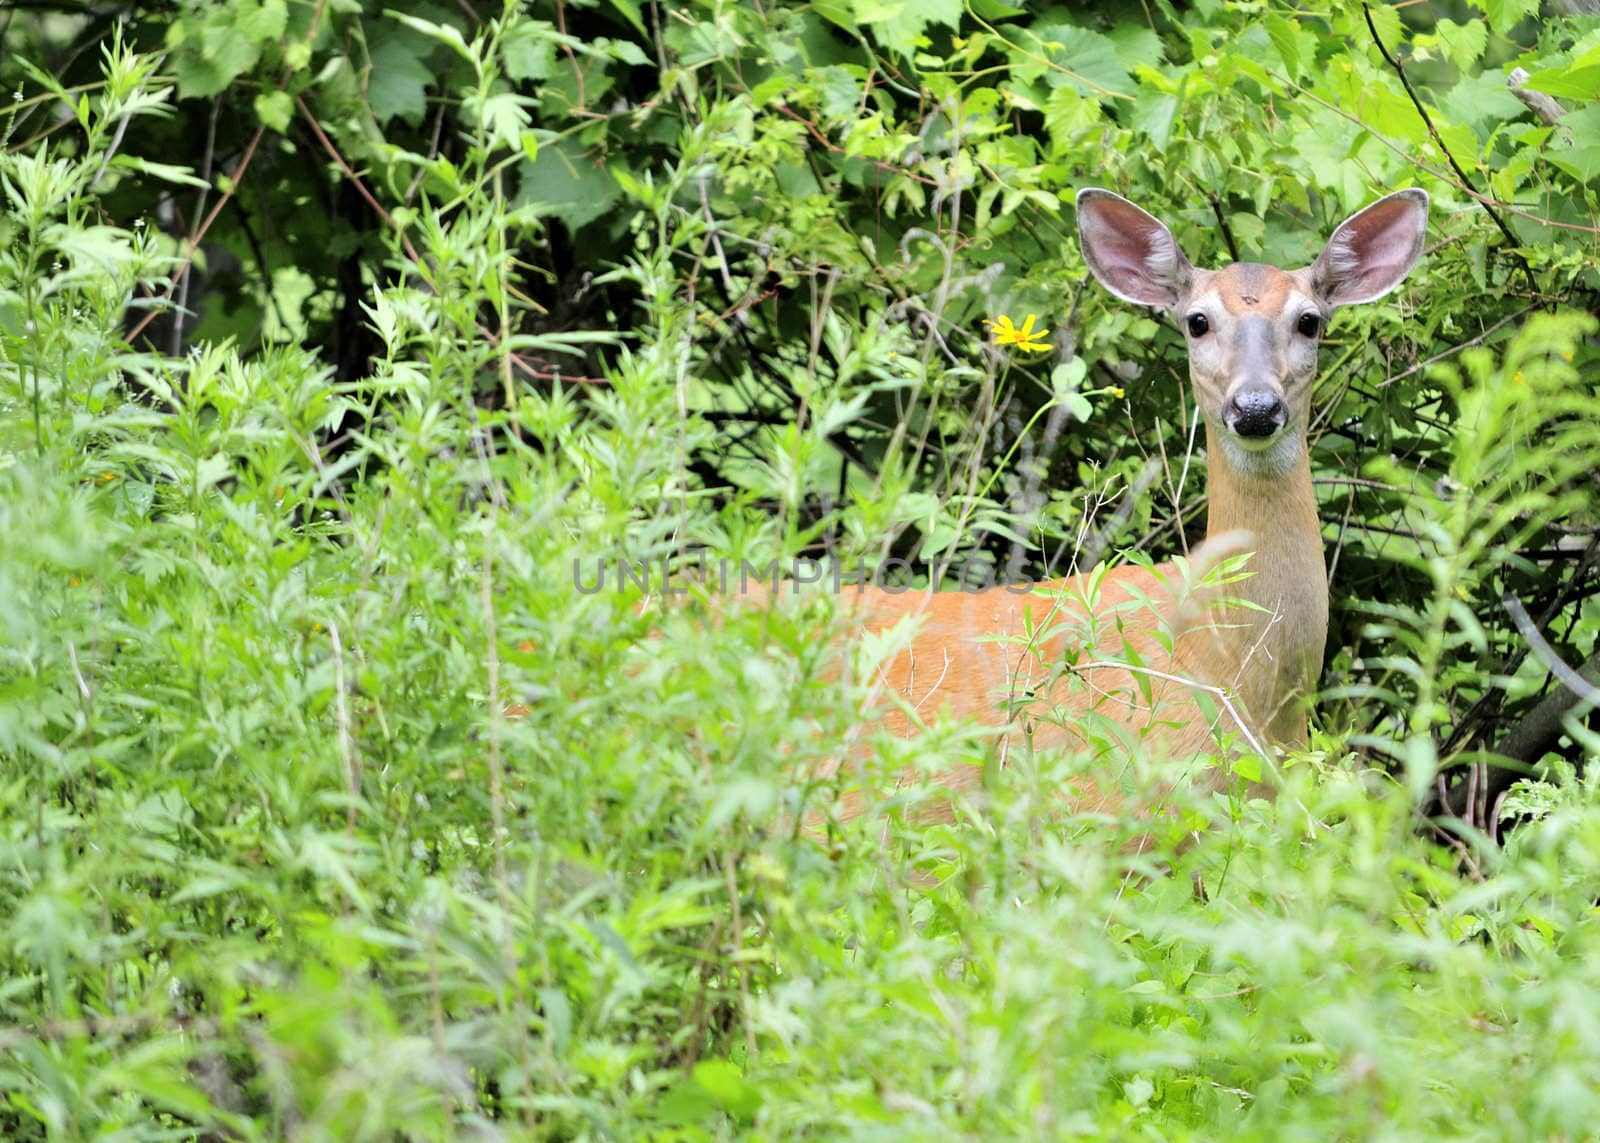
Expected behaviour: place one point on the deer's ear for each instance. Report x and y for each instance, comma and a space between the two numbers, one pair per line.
1129, 251
1373, 250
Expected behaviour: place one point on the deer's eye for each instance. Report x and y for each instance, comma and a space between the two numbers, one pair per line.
1198, 325
1310, 324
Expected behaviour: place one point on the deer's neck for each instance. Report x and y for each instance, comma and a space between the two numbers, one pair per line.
1274, 648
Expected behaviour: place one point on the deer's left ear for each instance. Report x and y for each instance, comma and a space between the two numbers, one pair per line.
1373, 250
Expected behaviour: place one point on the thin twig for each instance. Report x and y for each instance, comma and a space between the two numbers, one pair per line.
186, 257
1394, 61
1222, 225
361, 187
348, 753
1546, 654
1455, 349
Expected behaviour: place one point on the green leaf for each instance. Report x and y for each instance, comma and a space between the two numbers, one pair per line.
397, 84
1579, 80
105, 247
275, 109
504, 117
683, 1103
1136, 46
211, 63
529, 49
1153, 114
258, 22
901, 25
1067, 115
1387, 22
838, 89
627, 51
1063, 54
166, 172
630, 12
1481, 101
446, 34
1574, 146
1287, 38
1506, 14
837, 12
1463, 43
1573, 83
726, 1084
228, 44
1067, 378
565, 183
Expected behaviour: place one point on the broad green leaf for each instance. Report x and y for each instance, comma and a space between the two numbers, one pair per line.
1292, 43
1578, 80
504, 117
567, 184
1463, 43
103, 246
839, 89
529, 50
1481, 101
1506, 14
1574, 145
257, 21
275, 109
1063, 54
901, 25
726, 1084
839, 12
996, 9
1153, 114
1386, 20
398, 81
1136, 46
446, 34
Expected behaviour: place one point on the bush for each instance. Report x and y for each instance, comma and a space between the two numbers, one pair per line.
337, 345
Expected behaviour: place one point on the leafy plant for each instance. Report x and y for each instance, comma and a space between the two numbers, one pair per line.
340, 344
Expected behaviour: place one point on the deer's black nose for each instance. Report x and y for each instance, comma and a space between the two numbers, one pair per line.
1256, 413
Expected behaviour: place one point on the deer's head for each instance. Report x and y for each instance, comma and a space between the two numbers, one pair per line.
1252, 329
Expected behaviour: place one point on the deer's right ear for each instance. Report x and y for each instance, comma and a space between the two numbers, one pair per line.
1129, 251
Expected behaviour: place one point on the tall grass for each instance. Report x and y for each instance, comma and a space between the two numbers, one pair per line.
333, 808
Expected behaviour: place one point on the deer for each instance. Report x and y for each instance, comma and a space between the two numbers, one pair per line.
1183, 657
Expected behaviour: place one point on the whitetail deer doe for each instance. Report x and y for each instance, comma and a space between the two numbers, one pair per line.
1253, 648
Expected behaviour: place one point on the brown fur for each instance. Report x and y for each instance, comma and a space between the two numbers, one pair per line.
1262, 648
1250, 287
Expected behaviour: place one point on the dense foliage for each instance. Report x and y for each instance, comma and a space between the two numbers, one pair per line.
334, 338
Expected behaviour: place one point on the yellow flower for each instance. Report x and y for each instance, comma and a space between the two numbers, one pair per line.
1116, 391
1516, 378
1023, 336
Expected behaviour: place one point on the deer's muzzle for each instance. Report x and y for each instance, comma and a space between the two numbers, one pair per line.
1255, 412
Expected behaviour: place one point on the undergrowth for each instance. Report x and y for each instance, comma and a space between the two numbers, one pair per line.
335, 806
